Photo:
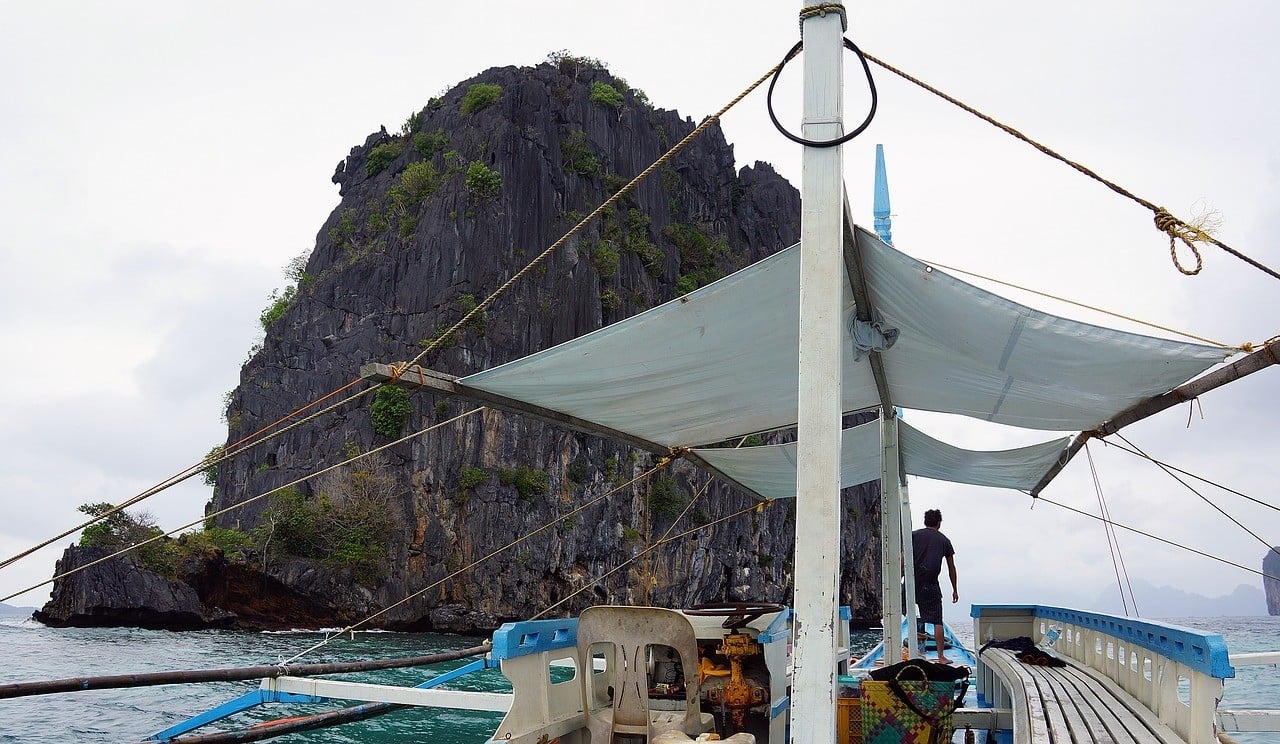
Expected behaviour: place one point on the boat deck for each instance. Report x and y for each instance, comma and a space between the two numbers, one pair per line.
1070, 704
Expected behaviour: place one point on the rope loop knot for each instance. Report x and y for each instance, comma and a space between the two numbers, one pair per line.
1177, 230
821, 11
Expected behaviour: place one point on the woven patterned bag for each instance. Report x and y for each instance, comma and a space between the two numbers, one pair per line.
908, 711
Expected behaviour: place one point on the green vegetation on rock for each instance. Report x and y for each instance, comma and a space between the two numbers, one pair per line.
347, 522
700, 255
417, 183
571, 64
429, 143
483, 181
472, 477
527, 481
279, 304
576, 155
605, 94
479, 96
605, 259
666, 498
209, 473
381, 156
390, 411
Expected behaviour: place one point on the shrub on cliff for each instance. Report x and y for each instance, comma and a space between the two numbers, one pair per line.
429, 143
605, 94
472, 477
478, 96
482, 180
389, 411
122, 530
576, 155
279, 304
381, 156
209, 473
347, 521
119, 530
666, 498
527, 481
418, 182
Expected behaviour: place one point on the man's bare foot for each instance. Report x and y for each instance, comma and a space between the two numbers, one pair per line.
943, 660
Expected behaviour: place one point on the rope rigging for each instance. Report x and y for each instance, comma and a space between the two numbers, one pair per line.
1113, 544
1205, 499
1177, 230
1167, 466
1109, 523
1246, 347
240, 504
662, 463
1137, 531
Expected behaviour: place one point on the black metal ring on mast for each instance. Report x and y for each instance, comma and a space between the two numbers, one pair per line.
871, 84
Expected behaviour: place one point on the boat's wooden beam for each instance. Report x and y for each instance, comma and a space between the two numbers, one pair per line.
1264, 357
440, 383
862, 300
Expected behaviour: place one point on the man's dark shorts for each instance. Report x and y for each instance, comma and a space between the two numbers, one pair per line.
929, 600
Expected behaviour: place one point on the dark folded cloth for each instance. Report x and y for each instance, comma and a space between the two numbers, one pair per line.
1026, 651
1037, 657
1017, 645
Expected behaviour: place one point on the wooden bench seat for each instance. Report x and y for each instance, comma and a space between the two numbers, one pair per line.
1072, 704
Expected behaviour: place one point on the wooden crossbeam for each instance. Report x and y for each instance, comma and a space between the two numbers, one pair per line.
1268, 355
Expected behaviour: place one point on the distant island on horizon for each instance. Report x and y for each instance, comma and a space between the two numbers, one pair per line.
8, 609
1170, 602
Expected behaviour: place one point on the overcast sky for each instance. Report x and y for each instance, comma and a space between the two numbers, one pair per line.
161, 162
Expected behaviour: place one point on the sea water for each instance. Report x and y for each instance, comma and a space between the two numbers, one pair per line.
34, 652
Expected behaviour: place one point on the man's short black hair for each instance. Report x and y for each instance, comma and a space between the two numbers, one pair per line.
933, 518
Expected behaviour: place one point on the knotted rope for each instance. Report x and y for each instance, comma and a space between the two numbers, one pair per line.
1175, 228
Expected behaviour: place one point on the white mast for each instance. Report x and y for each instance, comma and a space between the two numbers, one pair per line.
822, 274
890, 536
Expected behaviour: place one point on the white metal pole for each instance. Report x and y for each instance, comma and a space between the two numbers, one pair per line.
890, 537
909, 573
817, 556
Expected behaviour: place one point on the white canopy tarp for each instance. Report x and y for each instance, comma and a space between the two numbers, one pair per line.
721, 362
770, 470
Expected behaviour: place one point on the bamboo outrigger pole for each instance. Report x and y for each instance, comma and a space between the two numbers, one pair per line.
233, 674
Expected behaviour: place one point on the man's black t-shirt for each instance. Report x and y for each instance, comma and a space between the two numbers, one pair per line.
928, 549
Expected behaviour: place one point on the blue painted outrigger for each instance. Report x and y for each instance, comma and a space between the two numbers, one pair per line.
540, 658
268, 694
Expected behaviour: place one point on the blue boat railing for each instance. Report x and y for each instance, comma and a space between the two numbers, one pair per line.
1175, 672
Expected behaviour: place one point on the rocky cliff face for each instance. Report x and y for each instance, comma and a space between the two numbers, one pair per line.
1271, 567
433, 220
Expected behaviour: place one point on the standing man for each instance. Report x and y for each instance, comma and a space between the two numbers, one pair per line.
928, 547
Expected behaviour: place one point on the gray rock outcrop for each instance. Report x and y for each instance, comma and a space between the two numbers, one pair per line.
122, 592
1270, 584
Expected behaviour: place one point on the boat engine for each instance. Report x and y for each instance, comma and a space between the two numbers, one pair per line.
738, 695
737, 656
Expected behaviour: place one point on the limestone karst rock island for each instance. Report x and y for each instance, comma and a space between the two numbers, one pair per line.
432, 220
